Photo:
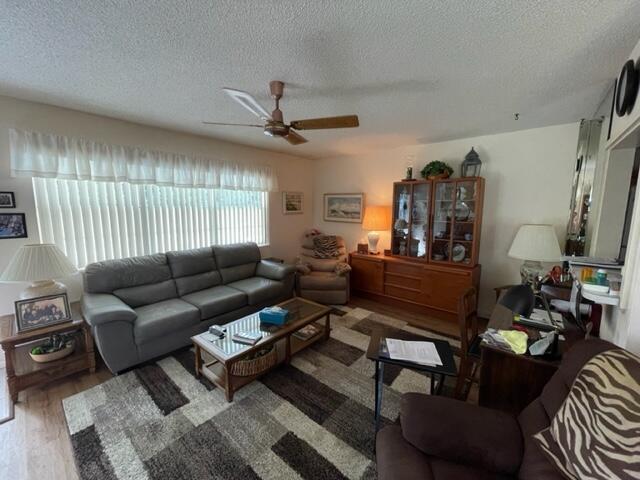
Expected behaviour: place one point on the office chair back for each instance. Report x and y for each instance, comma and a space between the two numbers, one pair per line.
519, 299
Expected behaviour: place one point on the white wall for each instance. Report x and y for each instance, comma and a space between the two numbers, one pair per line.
294, 173
528, 180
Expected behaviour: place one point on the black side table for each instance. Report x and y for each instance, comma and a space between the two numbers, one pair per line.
378, 352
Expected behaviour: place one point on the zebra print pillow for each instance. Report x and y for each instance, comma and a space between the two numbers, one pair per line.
325, 246
596, 432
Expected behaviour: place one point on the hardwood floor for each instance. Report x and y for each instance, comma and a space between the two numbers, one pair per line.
35, 445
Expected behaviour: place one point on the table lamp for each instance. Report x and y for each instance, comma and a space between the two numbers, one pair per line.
535, 244
376, 218
39, 264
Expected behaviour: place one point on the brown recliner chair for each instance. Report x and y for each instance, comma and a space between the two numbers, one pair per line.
323, 280
442, 438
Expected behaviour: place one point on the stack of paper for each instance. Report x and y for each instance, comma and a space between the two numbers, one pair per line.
424, 353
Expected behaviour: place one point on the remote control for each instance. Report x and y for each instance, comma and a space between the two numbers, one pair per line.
216, 331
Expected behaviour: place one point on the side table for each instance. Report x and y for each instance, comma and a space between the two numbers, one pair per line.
23, 372
378, 352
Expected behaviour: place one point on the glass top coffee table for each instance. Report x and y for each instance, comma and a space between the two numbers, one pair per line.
228, 358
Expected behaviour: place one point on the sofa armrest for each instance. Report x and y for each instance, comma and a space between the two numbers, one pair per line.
463, 433
274, 271
102, 308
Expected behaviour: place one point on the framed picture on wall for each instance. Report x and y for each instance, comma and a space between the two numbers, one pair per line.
7, 200
292, 202
343, 207
12, 225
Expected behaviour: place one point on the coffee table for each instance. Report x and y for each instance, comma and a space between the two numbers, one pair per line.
225, 352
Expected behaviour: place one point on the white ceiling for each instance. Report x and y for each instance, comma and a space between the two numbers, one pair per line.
414, 71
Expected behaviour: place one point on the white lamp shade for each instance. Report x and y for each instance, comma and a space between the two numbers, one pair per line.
36, 263
537, 243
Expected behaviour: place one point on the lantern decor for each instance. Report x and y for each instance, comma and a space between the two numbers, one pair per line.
471, 165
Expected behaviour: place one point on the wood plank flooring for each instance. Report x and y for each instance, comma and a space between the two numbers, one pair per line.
36, 446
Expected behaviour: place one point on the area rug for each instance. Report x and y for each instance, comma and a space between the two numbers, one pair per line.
312, 419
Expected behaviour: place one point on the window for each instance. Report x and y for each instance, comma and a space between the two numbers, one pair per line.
92, 221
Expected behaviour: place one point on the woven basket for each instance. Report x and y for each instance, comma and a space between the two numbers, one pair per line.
255, 366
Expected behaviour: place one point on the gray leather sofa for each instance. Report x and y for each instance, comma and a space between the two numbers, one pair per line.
143, 307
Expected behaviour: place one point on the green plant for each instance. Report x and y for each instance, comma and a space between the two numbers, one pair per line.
436, 168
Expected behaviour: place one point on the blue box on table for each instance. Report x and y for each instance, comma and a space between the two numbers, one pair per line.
273, 315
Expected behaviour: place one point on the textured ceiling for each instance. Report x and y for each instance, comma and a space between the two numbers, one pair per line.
414, 71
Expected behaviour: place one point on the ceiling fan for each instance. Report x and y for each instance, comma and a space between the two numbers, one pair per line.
274, 125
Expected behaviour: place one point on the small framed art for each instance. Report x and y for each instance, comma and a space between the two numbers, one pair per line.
12, 225
41, 312
343, 207
292, 202
7, 200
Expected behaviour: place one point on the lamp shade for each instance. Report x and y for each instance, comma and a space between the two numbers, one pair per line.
537, 243
377, 217
36, 263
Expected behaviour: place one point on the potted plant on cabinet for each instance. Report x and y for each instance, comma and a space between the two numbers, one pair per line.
436, 170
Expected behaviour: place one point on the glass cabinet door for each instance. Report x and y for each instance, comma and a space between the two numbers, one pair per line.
442, 221
464, 219
401, 218
418, 239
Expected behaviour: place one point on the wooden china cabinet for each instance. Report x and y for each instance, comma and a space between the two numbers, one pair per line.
435, 241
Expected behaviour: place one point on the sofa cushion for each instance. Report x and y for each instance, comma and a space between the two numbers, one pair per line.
147, 294
259, 289
216, 301
237, 261
397, 458
194, 269
596, 430
320, 264
462, 433
110, 275
534, 463
164, 318
323, 281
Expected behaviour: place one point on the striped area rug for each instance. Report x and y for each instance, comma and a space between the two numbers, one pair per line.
312, 419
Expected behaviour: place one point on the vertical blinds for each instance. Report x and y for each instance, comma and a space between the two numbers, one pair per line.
97, 220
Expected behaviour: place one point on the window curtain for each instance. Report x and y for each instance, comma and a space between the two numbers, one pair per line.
53, 156
94, 221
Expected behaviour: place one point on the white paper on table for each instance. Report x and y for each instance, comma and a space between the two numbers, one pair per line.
424, 353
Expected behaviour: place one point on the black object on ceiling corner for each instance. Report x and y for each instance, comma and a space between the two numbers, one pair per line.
627, 89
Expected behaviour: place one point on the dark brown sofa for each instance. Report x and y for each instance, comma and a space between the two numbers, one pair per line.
442, 438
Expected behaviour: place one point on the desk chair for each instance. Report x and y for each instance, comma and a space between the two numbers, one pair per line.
469, 343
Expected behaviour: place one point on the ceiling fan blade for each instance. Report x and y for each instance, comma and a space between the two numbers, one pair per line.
235, 124
247, 101
294, 138
346, 121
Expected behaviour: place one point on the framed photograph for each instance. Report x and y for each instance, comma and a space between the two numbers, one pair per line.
7, 200
40, 312
13, 225
343, 207
292, 202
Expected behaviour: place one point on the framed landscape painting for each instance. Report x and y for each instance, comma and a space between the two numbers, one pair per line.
13, 225
292, 202
343, 207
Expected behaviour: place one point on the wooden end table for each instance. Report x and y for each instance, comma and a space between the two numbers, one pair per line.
226, 352
23, 372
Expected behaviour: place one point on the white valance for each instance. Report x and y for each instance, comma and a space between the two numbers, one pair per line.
54, 156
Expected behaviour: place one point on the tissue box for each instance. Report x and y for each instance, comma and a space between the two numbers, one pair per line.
274, 315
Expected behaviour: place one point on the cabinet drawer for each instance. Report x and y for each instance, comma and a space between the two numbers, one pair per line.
414, 271
402, 292
445, 288
367, 275
402, 280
